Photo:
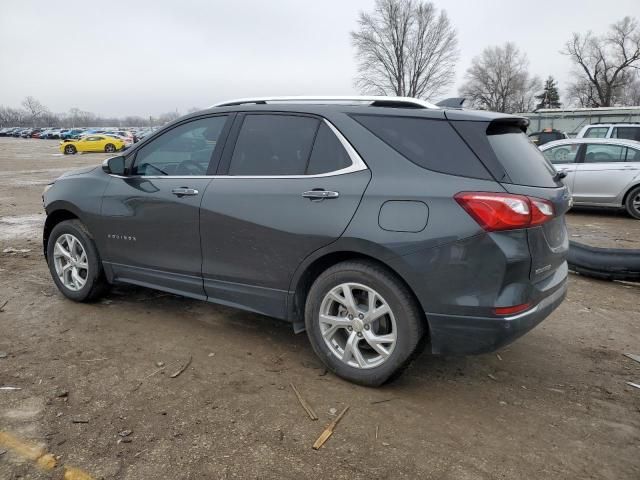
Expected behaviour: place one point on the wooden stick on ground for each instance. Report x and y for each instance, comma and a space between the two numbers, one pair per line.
182, 369
303, 402
324, 436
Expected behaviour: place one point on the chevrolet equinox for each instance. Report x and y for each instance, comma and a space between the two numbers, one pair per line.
380, 225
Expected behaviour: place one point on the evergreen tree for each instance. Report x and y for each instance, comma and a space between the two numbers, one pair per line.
549, 98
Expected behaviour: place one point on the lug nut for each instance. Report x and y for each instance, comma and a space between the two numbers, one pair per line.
359, 334
360, 316
349, 328
350, 317
366, 327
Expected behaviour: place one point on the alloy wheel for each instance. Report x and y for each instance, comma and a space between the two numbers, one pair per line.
70, 260
635, 203
357, 325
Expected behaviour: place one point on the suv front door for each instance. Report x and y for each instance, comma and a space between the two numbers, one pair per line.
288, 185
150, 218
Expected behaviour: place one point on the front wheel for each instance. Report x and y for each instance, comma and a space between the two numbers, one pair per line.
632, 204
109, 148
74, 262
363, 323
69, 150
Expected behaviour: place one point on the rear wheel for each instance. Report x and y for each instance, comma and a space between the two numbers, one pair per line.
109, 148
362, 322
74, 262
632, 204
70, 150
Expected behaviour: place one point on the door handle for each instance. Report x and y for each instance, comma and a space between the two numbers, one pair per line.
184, 191
320, 194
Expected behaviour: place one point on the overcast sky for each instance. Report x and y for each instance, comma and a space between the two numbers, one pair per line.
116, 58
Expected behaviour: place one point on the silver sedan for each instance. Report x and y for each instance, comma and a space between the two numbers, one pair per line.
599, 172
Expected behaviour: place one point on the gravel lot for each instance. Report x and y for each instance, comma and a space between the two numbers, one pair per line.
554, 404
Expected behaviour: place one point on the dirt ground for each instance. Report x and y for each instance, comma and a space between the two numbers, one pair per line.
553, 405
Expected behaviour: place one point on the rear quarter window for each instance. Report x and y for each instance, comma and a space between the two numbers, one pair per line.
430, 144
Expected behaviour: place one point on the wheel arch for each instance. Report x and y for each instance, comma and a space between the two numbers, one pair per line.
628, 191
54, 217
307, 273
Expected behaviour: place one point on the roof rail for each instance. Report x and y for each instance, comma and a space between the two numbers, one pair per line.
375, 101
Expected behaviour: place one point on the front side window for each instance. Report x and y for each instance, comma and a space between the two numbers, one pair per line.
596, 153
562, 153
596, 132
183, 150
273, 145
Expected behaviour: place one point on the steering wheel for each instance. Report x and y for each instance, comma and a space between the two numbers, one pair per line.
190, 167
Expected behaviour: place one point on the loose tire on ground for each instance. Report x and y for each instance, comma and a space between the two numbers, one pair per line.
405, 319
92, 283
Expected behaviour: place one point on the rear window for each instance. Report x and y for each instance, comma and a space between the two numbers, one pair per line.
431, 144
521, 159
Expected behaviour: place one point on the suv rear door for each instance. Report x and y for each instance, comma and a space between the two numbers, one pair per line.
288, 185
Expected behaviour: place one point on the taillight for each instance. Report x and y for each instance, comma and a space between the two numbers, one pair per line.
504, 211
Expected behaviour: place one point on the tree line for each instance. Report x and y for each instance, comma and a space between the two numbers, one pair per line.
409, 48
32, 113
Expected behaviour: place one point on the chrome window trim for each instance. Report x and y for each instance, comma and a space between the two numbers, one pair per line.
357, 165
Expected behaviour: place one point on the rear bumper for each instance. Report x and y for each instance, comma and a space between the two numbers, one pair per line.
467, 335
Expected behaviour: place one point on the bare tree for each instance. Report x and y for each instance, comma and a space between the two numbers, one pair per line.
498, 79
12, 117
604, 64
631, 92
405, 48
34, 108
168, 117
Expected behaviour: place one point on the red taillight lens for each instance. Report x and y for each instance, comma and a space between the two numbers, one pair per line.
541, 211
504, 211
511, 310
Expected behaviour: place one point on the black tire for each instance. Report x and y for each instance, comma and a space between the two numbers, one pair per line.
109, 148
633, 196
69, 150
410, 323
96, 284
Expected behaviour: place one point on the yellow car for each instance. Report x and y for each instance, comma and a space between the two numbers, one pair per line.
92, 143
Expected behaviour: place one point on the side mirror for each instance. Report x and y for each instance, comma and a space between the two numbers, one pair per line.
114, 166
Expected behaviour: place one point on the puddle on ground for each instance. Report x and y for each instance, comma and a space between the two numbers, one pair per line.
21, 226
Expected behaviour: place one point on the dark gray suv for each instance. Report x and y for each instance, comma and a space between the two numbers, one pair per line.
380, 225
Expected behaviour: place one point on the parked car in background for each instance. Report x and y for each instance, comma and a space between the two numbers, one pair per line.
375, 223
599, 172
628, 131
92, 143
73, 133
547, 135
